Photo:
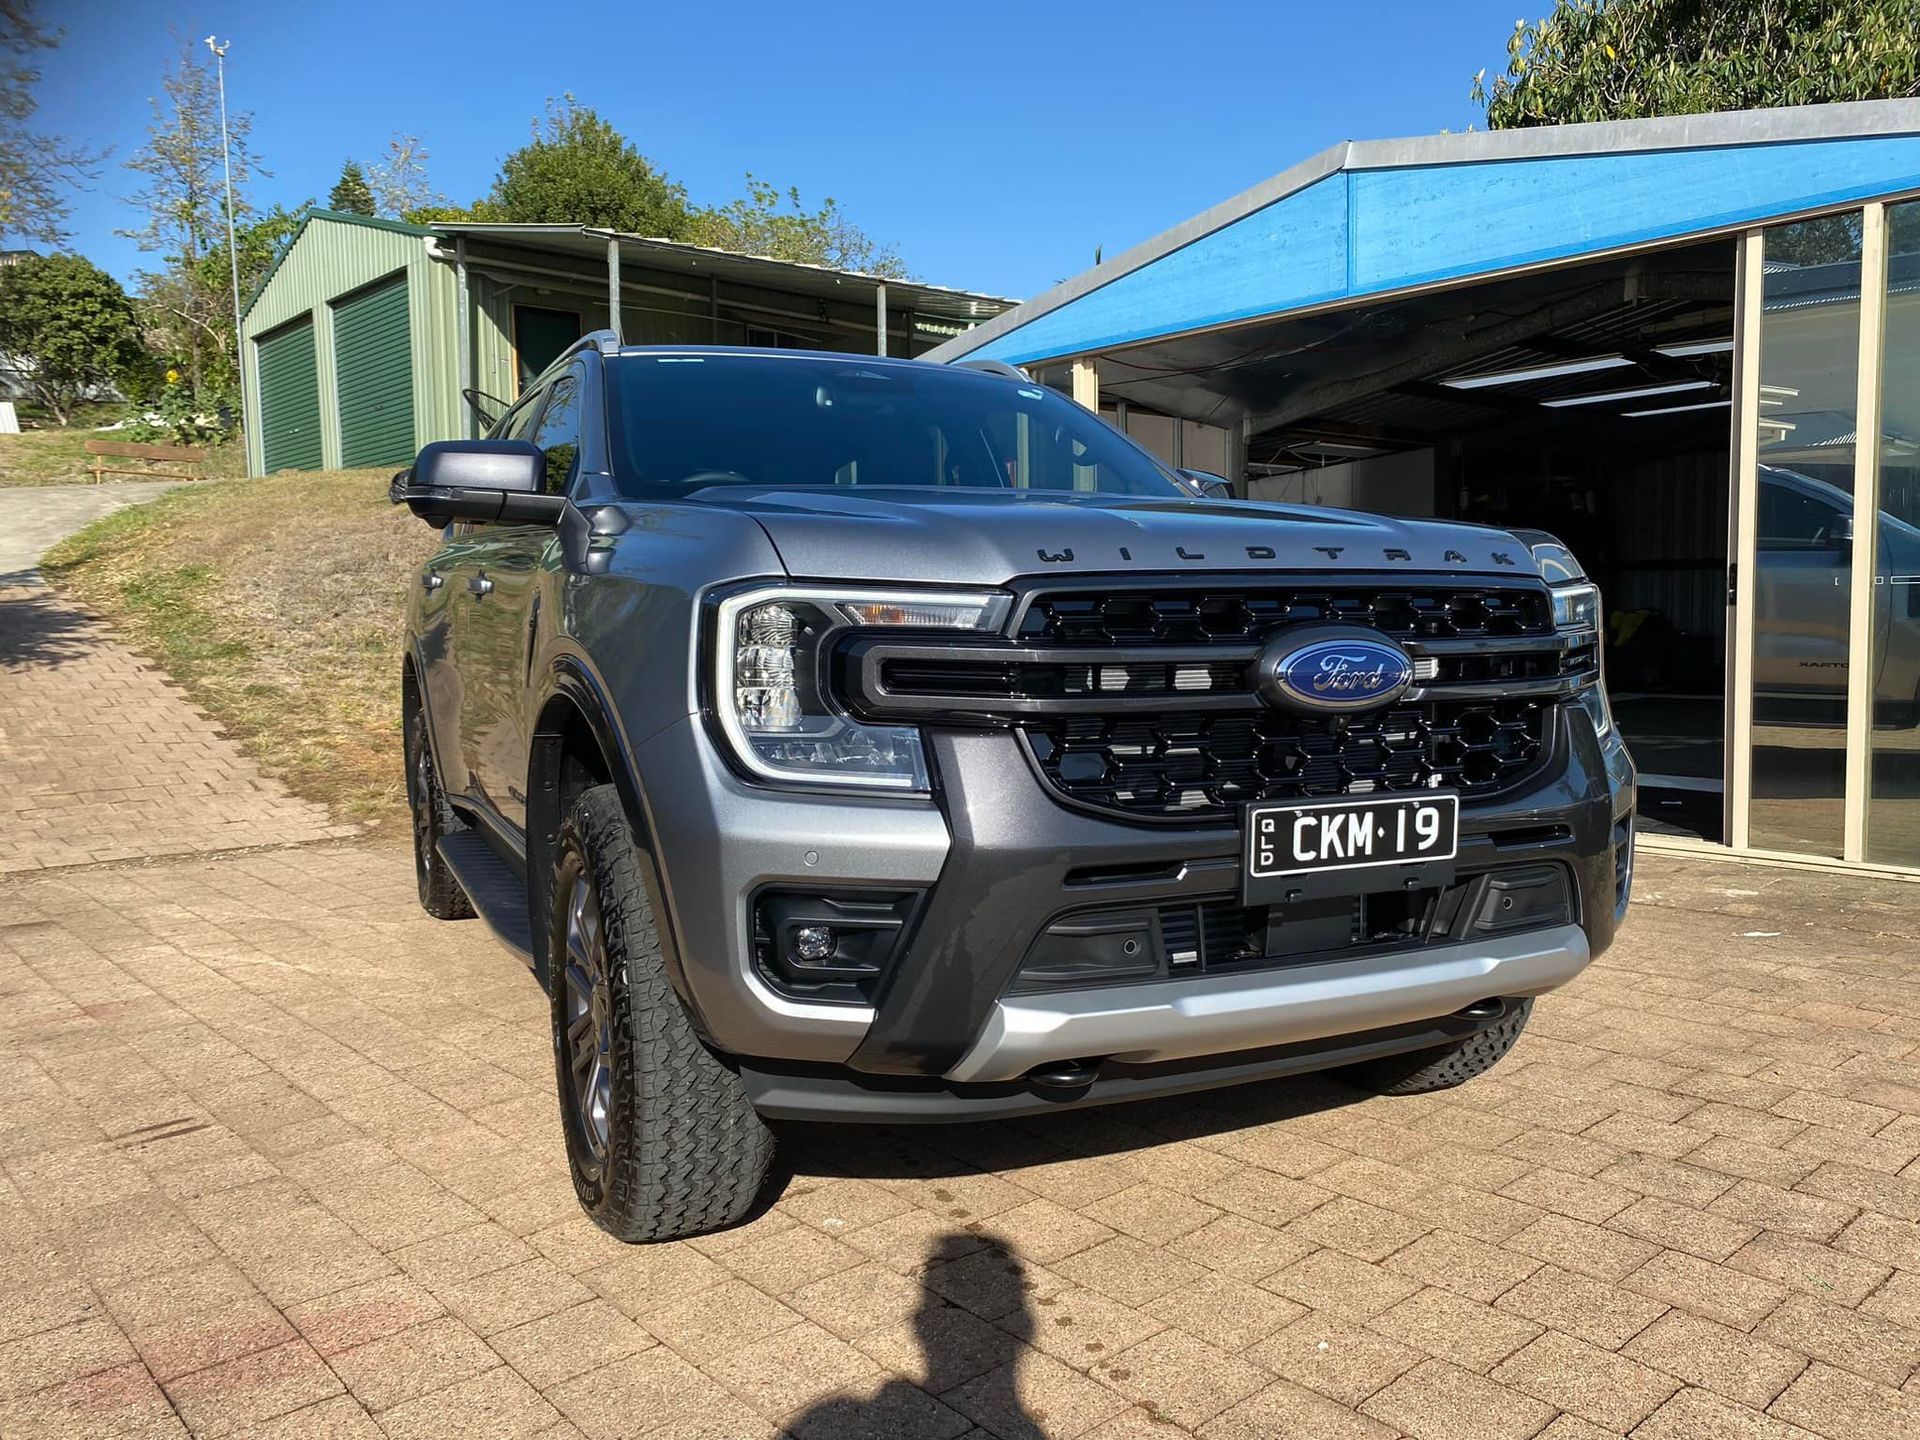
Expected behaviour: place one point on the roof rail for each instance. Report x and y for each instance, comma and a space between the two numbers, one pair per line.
996, 367
605, 341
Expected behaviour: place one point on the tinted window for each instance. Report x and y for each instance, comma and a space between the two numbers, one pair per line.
517, 423
558, 432
685, 422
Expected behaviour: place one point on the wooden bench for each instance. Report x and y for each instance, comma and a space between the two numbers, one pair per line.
184, 456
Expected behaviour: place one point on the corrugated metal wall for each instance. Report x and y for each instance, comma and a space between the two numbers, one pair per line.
330, 259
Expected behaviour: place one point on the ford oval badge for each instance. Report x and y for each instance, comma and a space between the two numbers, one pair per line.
1331, 670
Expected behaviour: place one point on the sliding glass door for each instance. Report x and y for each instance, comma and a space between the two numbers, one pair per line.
1803, 539
1893, 799
1825, 621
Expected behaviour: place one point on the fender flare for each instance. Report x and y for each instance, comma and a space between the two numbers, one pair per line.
571, 677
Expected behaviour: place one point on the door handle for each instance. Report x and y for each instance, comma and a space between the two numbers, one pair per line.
480, 585
431, 581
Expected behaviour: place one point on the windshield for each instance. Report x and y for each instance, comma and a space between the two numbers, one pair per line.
684, 422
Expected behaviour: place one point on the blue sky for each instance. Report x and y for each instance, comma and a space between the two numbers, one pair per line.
993, 144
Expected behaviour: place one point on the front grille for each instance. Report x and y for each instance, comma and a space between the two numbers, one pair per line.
1141, 700
1186, 765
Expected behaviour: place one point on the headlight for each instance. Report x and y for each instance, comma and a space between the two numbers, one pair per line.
769, 681
1576, 611
1577, 607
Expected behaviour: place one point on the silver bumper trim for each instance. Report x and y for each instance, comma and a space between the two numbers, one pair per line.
1180, 1019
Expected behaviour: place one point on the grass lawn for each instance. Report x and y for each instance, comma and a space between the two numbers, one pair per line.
276, 603
52, 454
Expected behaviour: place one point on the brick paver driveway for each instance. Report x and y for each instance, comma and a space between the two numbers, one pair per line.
100, 757
280, 1157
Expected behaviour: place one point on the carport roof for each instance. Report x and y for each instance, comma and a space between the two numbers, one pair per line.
1370, 219
677, 256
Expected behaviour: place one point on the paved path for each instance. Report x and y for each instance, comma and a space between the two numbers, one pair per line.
280, 1156
34, 519
101, 757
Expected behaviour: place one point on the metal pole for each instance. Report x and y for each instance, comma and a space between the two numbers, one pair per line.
1743, 547
1864, 597
880, 316
613, 289
233, 251
463, 334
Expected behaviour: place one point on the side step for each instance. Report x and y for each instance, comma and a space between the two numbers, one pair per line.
497, 890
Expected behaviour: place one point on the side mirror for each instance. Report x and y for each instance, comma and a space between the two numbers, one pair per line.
1840, 533
1207, 485
501, 480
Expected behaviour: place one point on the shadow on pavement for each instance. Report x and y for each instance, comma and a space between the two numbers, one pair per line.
37, 628
958, 1347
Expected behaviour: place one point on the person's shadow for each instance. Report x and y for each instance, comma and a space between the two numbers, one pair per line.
972, 1349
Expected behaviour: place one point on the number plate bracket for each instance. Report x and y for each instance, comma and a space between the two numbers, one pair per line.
1274, 874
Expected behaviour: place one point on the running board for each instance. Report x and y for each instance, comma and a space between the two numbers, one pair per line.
497, 890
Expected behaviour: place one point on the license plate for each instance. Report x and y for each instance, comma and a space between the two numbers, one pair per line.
1319, 848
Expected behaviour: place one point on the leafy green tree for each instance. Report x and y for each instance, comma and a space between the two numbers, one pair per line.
69, 326
351, 195
1625, 59
35, 169
579, 170
184, 202
768, 221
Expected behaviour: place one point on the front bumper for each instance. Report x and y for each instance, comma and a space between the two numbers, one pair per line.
997, 858
1217, 1014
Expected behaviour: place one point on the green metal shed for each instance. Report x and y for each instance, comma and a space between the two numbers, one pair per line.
379, 310
358, 342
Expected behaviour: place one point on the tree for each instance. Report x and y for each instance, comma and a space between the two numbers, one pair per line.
351, 195
766, 221
35, 169
579, 170
400, 181
69, 327
185, 207
1624, 59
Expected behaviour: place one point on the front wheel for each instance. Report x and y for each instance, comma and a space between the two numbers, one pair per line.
661, 1138
1445, 1066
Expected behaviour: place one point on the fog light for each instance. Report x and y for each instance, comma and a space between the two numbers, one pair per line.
813, 943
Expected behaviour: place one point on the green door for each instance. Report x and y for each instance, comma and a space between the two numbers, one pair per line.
373, 361
289, 399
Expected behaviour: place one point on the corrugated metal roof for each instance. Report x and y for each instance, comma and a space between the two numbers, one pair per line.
796, 277
1367, 220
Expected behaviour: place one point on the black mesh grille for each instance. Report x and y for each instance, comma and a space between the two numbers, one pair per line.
1216, 749
1193, 616
1195, 765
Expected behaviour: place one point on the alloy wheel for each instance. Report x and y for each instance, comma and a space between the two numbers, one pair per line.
588, 998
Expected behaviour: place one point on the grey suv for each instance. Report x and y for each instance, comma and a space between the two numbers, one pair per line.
855, 739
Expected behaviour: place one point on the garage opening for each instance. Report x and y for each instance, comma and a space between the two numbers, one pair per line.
1592, 401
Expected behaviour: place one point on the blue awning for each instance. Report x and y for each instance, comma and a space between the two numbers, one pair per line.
1380, 218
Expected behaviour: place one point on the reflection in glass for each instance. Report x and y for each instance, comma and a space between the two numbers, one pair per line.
1809, 362
1893, 801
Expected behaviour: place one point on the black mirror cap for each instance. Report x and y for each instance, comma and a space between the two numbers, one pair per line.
498, 480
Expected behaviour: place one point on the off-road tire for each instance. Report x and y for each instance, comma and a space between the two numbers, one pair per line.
684, 1150
440, 894
1446, 1066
